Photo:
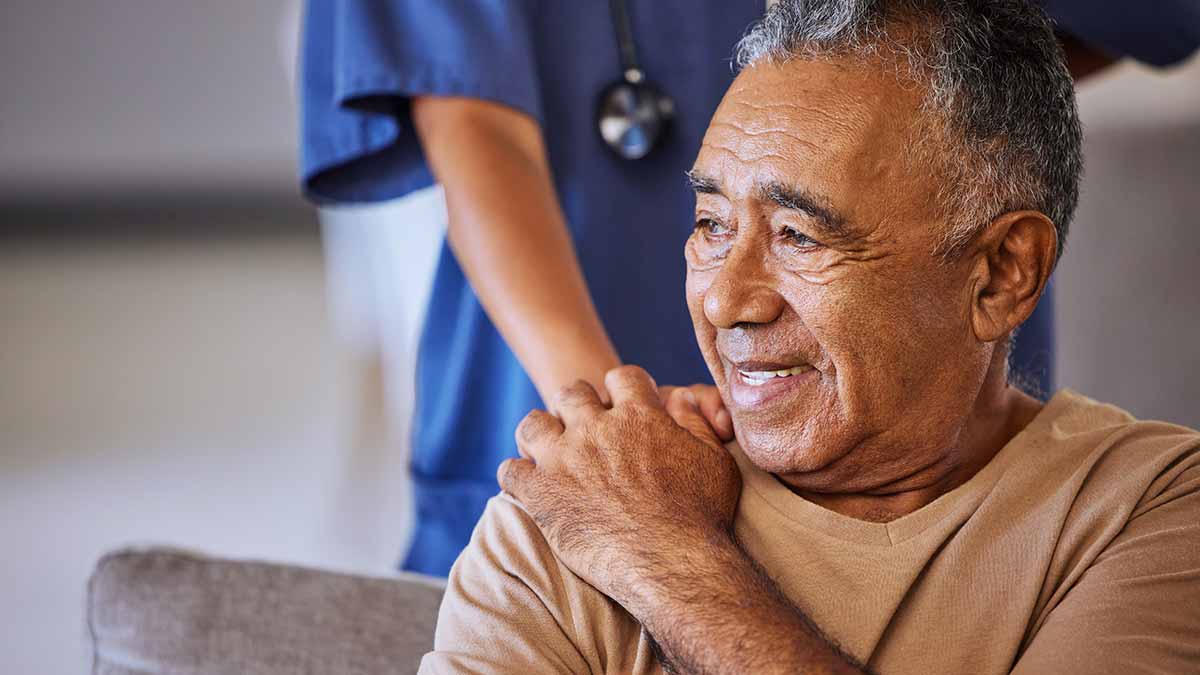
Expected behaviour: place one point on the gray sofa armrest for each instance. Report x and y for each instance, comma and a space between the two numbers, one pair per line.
167, 611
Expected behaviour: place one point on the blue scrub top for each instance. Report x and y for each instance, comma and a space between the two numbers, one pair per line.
364, 59
362, 62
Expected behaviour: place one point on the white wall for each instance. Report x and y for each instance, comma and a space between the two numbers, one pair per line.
1129, 283
129, 95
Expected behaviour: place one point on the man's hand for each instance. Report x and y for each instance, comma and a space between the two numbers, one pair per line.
638, 500
617, 491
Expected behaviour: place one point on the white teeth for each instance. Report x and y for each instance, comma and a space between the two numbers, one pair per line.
757, 378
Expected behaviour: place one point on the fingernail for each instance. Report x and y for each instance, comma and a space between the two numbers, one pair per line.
690, 398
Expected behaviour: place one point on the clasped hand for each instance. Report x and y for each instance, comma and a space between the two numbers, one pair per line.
627, 492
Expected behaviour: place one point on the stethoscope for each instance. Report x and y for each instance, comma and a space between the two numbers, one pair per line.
633, 115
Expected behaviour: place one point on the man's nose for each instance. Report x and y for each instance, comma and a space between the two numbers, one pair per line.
743, 291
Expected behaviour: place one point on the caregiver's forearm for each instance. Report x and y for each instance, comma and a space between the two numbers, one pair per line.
510, 237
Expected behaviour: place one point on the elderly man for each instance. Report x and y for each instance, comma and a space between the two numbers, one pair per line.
881, 198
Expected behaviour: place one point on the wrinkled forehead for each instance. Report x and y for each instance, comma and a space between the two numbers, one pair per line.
841, 122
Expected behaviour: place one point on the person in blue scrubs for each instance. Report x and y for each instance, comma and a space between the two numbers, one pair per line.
496, 100
553, 268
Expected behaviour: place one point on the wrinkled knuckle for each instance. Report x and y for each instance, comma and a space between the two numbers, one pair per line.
504, 474
683, 397
532, 426
631, 373
523, 428
618, 376
574, 393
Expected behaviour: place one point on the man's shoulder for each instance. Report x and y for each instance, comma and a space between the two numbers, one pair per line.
1085, 470
508, 543
1102, 467
1117, 500
510, 539
1076, 430
510, 600
1073, 412
1107, 426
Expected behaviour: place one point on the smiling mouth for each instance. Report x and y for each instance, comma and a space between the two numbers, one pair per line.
758, 378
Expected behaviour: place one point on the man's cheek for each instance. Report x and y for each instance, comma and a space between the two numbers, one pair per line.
694, 289
706, 333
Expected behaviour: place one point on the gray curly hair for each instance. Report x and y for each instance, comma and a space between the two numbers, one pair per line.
1005, 131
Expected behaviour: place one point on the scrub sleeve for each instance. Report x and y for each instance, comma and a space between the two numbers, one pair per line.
364, 60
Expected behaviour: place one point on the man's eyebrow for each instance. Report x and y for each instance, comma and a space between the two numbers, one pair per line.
829, 220
702, 183
800, 200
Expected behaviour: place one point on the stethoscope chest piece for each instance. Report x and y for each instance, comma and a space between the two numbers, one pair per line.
633, 117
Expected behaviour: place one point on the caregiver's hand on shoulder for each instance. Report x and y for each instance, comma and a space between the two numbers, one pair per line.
622, 492
708, 398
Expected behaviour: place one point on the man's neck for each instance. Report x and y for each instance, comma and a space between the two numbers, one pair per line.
995, 420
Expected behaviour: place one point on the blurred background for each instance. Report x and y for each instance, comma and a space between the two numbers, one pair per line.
188, 357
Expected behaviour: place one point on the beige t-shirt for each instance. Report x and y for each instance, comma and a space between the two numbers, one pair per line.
1075, 550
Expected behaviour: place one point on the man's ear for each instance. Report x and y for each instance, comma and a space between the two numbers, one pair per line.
1016, 255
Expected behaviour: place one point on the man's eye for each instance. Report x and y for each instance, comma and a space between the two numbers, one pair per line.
799, 238
711, 227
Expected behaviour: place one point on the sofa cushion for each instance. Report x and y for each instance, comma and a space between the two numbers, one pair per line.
167, 611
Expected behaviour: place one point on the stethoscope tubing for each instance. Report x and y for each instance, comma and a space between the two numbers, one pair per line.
632, 115
623, 30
